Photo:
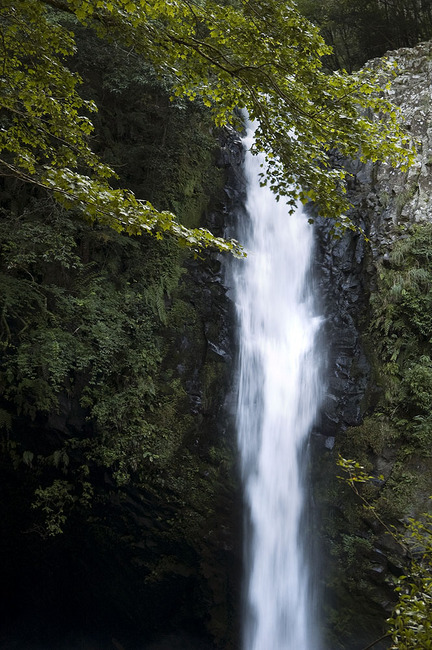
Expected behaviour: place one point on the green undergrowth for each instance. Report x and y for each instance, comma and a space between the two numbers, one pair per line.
401, 328
80, 337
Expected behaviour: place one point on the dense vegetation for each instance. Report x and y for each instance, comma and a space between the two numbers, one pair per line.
109, 394
261, 56
402, 327
360, 31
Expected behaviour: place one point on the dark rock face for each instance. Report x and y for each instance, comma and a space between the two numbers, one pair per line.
342, 290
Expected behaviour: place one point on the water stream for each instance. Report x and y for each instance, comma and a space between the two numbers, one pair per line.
277, 404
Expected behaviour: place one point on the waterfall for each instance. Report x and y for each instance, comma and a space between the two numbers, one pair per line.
278, 398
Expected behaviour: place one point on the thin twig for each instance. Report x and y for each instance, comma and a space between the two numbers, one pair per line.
371, 645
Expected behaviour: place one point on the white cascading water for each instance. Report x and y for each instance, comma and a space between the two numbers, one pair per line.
277, 405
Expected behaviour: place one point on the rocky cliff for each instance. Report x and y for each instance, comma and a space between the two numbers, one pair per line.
375, 290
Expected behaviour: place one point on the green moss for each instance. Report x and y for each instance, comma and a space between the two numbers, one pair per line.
214, 380
374, 434
403, 198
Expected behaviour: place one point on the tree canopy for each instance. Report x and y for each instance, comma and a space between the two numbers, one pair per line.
260, 55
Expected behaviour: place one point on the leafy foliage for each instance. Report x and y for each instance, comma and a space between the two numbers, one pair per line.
96, 427
81, 326
262, 56
411, 621
401, 330
45, 129
401, 322
90, 319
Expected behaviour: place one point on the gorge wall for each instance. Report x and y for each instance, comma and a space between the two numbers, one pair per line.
376, 293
